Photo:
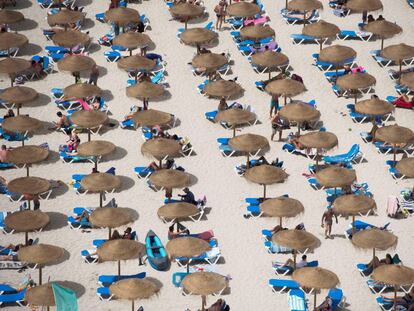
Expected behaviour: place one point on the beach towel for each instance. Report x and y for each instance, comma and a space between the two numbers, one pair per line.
392, 205
65, 298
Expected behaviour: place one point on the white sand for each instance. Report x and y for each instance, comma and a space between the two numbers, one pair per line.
246, 260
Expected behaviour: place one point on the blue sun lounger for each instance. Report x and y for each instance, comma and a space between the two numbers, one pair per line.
7, 289
354, 35
303, 39
282, 285
354, 155
297, 300
17, 298
337, 296
178, 277
107, 280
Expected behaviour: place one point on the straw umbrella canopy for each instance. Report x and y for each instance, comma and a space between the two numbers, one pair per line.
41, 296
374, 239
120, 249
76, 63
242, 9
96, 149
186, 11
145, 90
170, 179
316, 278
209, 62
27, 155
29, 185
89, 119
270, 59
197, 36
81, 90
337, 55
353, 205
13, 66
256, 32
70, 38
204, 284
374, 107
383, 29
132, 40
321, 30
265, 175
335, 176
222, 88
285, 87
394, 135
394, 275
248, 144
177, 211
10, 17
40, 254
235, 117
297, 240
161, 148
137, 63
304, 6
109, 217
21, 124
64, 18
10, 40
282, 207
151, 118
18, 95
406, 167
355, 81
122, 16
133, 289
186, 247
407, 79
299, 112
100, 182
398, 53
27, 221
364, 5
318, 140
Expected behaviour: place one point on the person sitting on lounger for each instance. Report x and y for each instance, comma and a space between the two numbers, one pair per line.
83, 217
300, 264
405, 301
181, 231
222, 105
188, 196
127, 234
376, 262
347, 69
62, 123
370, 19
9, 114
219, 305
115, 235
326, 305
277, 229
73, 142
380, 18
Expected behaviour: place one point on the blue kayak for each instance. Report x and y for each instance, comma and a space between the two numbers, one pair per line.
156, 253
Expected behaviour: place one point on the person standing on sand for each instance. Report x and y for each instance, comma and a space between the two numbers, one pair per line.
327, 221
220, 11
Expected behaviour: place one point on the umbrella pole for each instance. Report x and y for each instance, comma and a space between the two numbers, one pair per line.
40, 275
353, 225
23, 142
264, 191
186, 21
320, 45
399, 72
382, 43
18, 110
373, 253
270, 75
119, 267
27, 170
26, 238
285, 99
133, 305
314, 300
96, 164
188, 267
203, 302
280, 221
286, 4
298, 129
294, 259
248, 161
356, 97
110, 233
89, 135
395, 298
100, 199
234, 130
395, 154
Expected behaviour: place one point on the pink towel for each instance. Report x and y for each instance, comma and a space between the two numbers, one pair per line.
392, 205
84, 104
359, 68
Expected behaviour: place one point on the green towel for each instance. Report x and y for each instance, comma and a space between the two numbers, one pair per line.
65, 298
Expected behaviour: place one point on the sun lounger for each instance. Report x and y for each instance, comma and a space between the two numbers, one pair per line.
338, 298
211, 257
16, 298
11, 265
297, 300
360, 225
89, 255
178, 277
325, 66
304, 39
354, 35
354, 155
107, 280
363, 269
377, 288
7, 289
299, 20
280, 285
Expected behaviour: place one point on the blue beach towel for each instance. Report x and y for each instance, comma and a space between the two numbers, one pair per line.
65, 298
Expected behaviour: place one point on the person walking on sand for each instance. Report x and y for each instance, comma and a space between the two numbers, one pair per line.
277, 126
327, 221
220, 11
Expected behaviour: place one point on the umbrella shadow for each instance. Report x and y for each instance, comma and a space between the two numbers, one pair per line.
93, 47
156, 282
23, 4
207, 211
41, 100
78, 288
165, 96
52, 158
126, 183
102, 70
111, 124
46, 129
107, 95
26, 24
88, 23
119, 153
30, 49
57, 221
193, 180
200, 19
152, 46
60, 190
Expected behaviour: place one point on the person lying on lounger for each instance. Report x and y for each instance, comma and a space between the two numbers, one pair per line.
406, 301
219, 305
84, 216
300, 264
15, 248
376, 262
326, 305
404, 100
181, 231
299, 14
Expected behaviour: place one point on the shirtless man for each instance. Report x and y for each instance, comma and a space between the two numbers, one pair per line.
327, 221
